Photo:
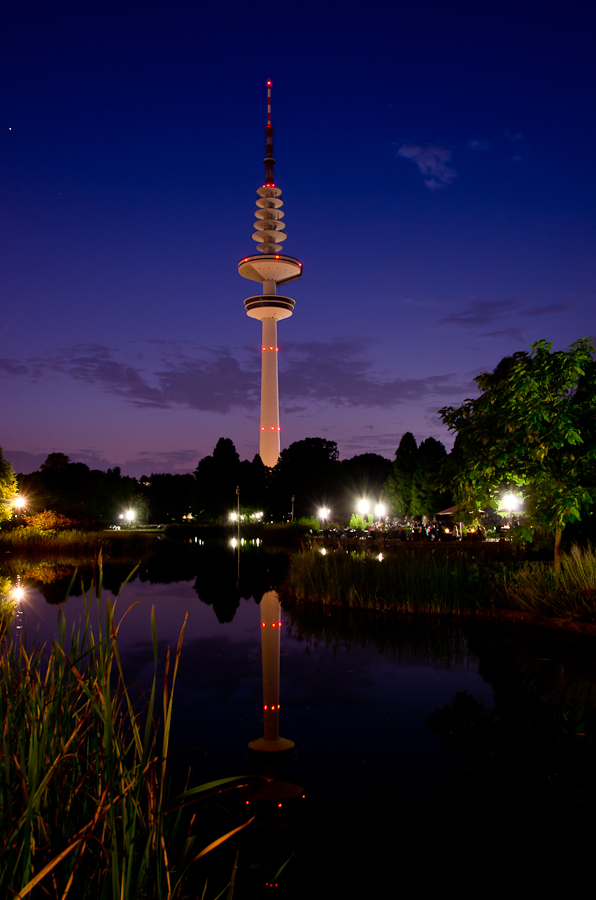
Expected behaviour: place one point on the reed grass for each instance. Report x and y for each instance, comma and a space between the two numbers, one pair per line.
85, 809
35, 542
568, 594
445, 582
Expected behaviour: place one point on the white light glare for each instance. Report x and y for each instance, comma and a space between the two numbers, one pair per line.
380, 510
363, 507
511, 502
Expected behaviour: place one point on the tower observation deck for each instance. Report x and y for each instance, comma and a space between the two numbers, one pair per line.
271, 269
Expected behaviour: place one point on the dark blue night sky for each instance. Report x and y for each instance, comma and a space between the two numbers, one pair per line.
437, 168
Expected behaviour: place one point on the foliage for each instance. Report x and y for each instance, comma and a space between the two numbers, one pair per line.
56, 461
408, 581
532, 427
170, 497
48, 521
308, 471
357, 520
361, 476
310, 522
569, 593
78, 492
216, 481
411, 488
8, 488
84, 803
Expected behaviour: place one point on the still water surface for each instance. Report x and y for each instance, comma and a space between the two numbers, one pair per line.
355, 692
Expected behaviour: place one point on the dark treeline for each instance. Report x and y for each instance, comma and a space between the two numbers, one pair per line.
309, 475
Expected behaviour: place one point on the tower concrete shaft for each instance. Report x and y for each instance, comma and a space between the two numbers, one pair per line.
271, 269
271, 742
269, 446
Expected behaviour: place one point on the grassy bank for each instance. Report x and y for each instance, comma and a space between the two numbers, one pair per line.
85, 809
31, 542
450, 580
407, 581
569, 594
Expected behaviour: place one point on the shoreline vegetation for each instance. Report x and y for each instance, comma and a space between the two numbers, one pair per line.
472, 580
85, 803
486, 579
34, 542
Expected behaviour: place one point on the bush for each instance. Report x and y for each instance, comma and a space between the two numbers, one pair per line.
49, 521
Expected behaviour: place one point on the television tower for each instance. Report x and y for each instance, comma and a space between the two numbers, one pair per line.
271, 269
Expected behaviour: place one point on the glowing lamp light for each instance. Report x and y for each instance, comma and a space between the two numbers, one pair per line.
363, 507
234, 542
17, 593
511, 502
19, 502
323, 551
233, 516
129, 515
380, 510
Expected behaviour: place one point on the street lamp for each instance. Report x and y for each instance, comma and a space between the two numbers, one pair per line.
324, 513
363, 507
129, 515
511, 502
380, 510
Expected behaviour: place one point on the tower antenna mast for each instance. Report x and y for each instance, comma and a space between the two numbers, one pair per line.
269, 158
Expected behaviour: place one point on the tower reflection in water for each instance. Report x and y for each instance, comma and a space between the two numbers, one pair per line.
271, 749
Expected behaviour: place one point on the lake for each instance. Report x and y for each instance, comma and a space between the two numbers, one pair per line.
356, 691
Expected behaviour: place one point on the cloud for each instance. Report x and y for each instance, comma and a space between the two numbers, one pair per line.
432, 161
479, 313
11, 367
479, 144
514, 136
337, 373
549, 309
215, 382
512, 334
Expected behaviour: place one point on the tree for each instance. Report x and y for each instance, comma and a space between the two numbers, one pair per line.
307, 470
362, 476
532, 427
56, 461
8, 488
217, 479
411, 486
427, 498
398, 487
